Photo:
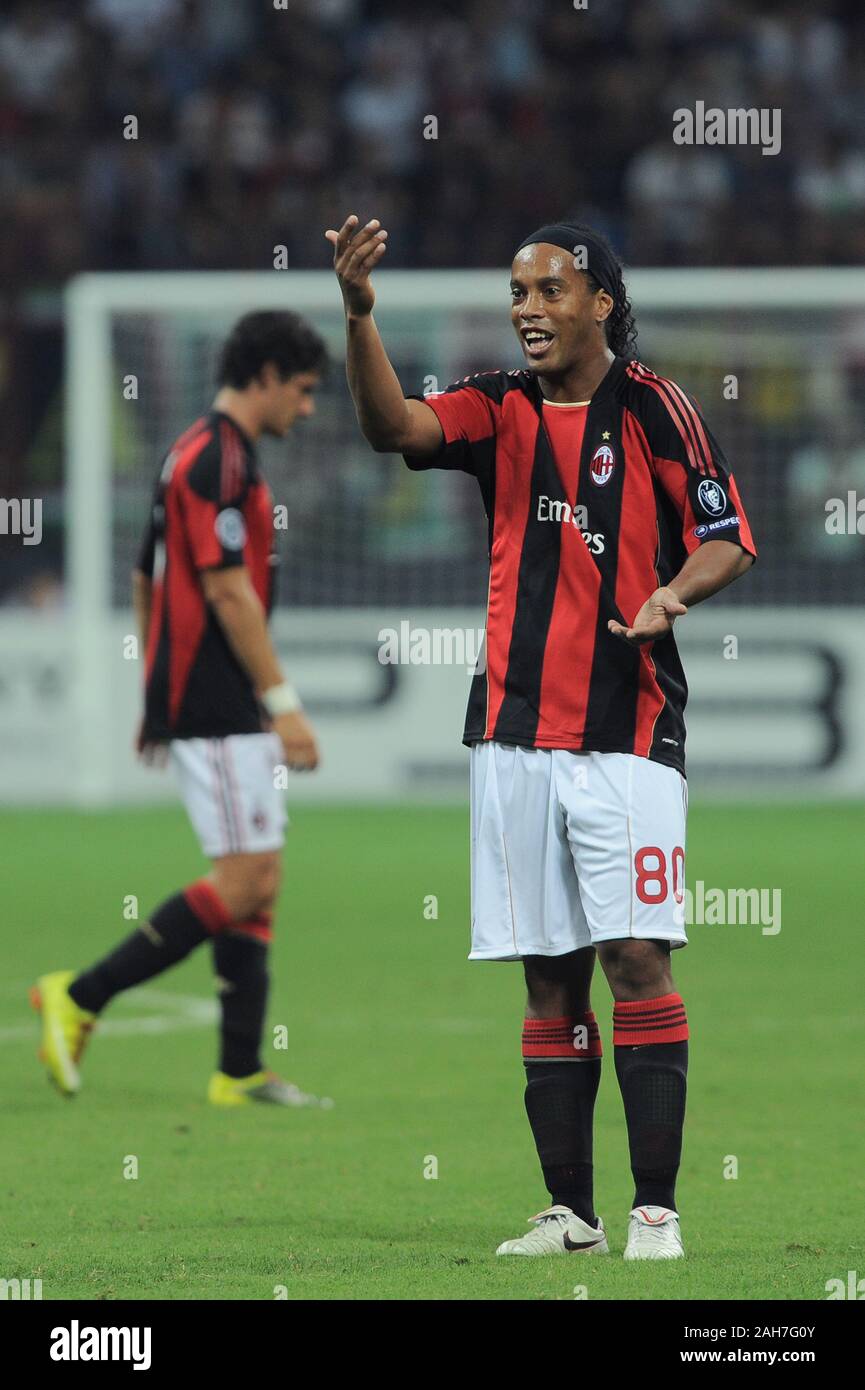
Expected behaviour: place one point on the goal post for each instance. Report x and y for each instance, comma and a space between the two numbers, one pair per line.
776, 358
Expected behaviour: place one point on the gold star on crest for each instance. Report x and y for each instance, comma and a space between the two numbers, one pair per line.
606, 434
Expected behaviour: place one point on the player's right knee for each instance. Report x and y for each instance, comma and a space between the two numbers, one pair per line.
550, 988
547, 998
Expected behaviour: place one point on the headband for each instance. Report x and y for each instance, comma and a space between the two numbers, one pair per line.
600, 262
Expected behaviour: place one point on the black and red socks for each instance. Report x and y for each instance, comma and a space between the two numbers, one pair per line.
174, 930
562, 1057
240, 962
650, 1037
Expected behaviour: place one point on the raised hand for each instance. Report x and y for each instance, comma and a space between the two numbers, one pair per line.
356, 251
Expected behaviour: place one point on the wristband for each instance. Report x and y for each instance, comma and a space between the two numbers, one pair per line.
281, 699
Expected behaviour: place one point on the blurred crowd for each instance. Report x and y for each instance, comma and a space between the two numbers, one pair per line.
257, 123
203, 134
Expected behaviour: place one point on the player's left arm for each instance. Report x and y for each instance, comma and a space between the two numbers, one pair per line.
142, 603
689, 466
142, 582
154, 754
707, 570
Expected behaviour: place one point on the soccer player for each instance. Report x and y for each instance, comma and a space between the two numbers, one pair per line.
218, 703
611, 512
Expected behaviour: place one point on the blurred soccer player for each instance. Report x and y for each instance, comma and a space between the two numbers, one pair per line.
217, 703
611, 511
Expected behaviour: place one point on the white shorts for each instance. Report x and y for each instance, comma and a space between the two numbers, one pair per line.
228, 789
570, 849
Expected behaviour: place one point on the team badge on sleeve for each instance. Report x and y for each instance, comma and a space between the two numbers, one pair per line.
230, 529
711, 497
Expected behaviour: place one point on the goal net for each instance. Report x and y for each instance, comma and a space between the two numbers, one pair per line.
776, 359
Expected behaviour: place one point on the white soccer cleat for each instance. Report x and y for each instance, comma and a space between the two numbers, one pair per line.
653, 1234
558, 1231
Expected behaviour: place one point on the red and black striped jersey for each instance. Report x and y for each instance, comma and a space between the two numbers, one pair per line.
211, 509
590, 507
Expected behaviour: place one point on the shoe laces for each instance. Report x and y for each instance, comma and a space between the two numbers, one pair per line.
550, 1214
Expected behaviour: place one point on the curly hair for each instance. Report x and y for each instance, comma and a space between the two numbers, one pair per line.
619, 325
620, 328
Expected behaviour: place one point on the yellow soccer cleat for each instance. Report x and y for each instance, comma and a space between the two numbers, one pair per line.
65, 1029
263, 1086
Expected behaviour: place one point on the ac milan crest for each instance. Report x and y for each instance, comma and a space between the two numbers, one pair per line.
603, 461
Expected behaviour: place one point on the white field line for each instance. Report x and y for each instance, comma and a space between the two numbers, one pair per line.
179, 1012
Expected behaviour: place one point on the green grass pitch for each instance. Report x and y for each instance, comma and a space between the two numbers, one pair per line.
420, 1051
